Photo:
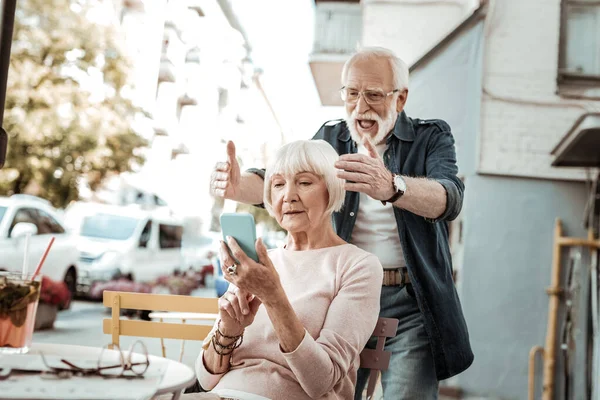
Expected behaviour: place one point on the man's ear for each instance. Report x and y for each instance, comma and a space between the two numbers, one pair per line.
401, 101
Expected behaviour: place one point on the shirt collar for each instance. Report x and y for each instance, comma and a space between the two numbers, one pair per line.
404, 129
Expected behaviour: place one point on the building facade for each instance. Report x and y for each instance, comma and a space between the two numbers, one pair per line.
512, 78
194, 77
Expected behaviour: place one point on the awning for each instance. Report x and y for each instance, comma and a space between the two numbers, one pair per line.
580, 147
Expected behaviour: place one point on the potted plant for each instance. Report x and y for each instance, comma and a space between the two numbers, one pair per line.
54, 295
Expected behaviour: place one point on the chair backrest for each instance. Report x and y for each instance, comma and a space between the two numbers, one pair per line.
378, 359
116, 326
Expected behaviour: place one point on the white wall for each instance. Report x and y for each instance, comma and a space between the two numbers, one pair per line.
411, 28
522, 117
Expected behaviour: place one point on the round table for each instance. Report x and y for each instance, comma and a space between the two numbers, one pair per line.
176, 378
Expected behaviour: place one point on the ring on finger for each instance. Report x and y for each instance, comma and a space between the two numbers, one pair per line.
232, 269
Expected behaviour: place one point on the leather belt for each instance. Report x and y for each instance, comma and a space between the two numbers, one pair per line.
395, 277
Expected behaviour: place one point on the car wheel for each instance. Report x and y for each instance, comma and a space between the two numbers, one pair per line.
71, 282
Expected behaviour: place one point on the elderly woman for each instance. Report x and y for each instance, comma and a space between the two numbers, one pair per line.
292, 325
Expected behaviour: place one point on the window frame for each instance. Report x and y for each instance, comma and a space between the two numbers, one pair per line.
563, 76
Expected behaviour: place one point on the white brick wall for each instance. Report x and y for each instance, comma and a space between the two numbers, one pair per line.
522, 117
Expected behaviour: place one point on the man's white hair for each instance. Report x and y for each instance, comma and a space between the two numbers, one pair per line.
399, 67
315, 156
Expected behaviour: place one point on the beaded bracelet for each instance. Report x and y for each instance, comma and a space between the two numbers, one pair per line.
221, 349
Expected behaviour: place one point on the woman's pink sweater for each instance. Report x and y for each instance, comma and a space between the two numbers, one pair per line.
335, 294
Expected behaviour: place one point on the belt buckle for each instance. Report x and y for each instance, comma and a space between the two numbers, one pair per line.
402, 278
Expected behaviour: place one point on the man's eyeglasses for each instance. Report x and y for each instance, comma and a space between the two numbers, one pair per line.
107, 366
372, 97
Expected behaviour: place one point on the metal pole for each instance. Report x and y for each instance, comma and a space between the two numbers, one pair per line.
6, 33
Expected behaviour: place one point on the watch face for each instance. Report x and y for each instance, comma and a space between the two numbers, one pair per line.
399, 183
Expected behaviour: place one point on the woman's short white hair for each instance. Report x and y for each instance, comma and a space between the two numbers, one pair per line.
315, 156
399, 67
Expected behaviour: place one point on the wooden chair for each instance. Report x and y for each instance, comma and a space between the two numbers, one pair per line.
117, 327
378, 359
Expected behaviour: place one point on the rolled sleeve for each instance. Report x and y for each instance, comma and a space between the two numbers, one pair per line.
441, 167
261, 173
257, 171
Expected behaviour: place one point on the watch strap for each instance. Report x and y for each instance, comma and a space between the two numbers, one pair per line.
392, 199
396, 195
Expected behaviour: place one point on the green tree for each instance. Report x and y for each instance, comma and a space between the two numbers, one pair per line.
67, 114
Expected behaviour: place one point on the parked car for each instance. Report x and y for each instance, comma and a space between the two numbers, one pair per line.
199, 250
21, 215
124, 241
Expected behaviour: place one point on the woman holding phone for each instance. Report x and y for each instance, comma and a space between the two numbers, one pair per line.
293, 324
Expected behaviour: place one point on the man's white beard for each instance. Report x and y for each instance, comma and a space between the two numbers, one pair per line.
384, 126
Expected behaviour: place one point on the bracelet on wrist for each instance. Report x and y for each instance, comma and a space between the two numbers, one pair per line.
226, 349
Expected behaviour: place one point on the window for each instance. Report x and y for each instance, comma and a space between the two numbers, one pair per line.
579, 54
108, 226
146, 233
46, 224
169, 236
2, 212
23, 215
338, 27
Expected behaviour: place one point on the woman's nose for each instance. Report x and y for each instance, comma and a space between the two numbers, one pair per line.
290, 193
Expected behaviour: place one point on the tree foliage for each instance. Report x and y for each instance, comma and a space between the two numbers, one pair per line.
66, 114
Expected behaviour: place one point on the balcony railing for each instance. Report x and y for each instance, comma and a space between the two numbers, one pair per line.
338, 27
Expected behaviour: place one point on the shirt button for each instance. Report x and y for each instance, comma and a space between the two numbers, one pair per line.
352, 214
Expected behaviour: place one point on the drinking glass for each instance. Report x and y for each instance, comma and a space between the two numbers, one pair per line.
18, 305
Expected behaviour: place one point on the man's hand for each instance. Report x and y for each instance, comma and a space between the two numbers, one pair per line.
366, 173
225, 178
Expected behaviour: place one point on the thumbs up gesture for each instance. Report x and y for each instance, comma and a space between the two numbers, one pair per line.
225, 178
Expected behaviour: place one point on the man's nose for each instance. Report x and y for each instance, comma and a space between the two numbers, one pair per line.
362, 106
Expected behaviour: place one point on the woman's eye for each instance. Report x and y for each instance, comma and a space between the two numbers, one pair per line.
277, 185
305, 183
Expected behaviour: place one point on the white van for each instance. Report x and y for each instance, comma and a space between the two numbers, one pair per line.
124, 241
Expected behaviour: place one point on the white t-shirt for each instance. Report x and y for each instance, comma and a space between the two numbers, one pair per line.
375, 229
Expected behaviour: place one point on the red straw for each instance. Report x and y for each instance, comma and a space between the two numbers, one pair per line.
39, 267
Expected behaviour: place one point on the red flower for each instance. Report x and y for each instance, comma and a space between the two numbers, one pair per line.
55, 293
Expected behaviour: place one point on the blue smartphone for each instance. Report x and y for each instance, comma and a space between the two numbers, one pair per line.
242, 228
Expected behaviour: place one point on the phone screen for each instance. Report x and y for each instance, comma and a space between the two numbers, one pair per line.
242, 228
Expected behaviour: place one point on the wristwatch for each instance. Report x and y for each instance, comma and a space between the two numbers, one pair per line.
400, 186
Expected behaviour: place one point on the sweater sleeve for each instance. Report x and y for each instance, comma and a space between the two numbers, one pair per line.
319, 363
206, 379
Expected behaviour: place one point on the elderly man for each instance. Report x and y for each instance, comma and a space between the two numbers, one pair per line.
403, 189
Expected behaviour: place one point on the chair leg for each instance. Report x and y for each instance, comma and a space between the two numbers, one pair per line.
182, 344
177, 395
162, 345
372, 383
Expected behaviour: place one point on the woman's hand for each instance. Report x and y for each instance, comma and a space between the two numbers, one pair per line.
259, 278
237, 309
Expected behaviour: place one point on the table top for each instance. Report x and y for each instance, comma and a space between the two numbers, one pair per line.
177, 376
184, 315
